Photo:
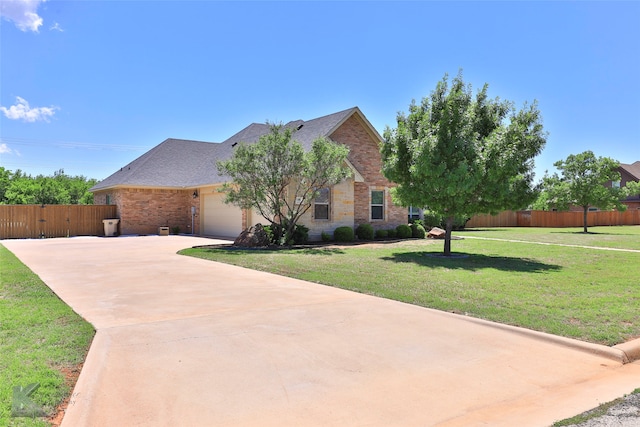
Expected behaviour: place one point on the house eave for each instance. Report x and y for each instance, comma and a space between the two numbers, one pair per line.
357, 176
143, 187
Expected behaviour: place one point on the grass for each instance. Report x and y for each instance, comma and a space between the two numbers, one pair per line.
627, 237
587, 294
39, 336
594, 413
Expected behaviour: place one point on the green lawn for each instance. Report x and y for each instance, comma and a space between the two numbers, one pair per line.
39, 336
627, 237
587, 294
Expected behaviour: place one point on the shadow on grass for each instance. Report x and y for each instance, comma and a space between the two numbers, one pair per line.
473, 262
595, 233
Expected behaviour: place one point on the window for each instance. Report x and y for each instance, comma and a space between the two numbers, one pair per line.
414, 213
377, 204
615, 184
321, 204
108, 202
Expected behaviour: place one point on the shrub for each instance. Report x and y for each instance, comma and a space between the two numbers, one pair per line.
403, 231
365, 232
175, 230
267, 229
432, 219
300, 234
326, 237
392, 232
343, 234
459, 222
417, 230
381, 234
417, 221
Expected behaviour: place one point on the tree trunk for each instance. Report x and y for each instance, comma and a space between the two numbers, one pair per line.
447, 236
584, 218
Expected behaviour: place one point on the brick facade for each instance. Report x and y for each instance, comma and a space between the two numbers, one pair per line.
633, 201
143, 211
365, 156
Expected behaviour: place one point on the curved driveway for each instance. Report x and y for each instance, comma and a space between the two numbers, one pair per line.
187, 342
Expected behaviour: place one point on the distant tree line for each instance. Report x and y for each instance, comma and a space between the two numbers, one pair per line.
18, 188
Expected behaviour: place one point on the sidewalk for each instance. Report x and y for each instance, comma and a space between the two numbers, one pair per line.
600, 248
184, 341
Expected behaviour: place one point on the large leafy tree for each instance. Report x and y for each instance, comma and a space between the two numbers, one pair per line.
460, 154
5, 180
19, 188
585, 181
279, 179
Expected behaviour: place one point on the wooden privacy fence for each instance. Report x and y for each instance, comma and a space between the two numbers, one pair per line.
555, 219
40, 221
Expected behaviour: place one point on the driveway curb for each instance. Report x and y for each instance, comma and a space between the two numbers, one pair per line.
631, 349
623, 353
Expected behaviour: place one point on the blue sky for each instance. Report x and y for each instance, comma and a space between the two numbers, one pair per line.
87, 86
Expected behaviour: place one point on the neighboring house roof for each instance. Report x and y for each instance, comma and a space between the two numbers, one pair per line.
179, 163
632, 169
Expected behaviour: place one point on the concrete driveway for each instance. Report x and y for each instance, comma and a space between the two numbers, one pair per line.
187, 342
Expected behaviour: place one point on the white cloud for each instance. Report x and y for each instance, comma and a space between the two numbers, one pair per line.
4, 149
56, 27
22, 111
24, 13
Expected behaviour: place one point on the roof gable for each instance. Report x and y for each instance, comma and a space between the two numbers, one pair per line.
632, 169
178, 163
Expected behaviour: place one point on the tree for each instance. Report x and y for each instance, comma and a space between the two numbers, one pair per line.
279, 179
583, 183
5, 180
77, 187
21, 189
462, 155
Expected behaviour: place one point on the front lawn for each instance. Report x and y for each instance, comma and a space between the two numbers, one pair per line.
588, 294
627, 237
42, 341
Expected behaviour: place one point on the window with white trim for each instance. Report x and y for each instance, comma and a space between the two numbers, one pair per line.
321, 204
377, 204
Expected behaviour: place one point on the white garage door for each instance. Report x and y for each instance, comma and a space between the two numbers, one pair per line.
221, 219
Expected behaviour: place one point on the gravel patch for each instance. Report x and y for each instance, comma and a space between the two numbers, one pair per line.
625, 413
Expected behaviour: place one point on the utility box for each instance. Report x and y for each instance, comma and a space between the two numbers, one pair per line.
110, 227
163, 231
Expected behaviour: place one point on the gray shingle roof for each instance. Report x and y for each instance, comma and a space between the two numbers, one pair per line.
179, 163
633, 168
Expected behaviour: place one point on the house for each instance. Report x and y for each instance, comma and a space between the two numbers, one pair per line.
177, 185
629, 173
